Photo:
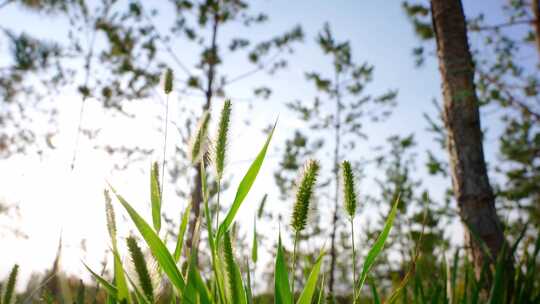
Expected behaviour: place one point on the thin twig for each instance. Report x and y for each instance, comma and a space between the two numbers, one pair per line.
501, 25
255, 70
169, 50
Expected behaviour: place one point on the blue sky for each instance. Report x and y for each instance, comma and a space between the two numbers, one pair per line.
379, 33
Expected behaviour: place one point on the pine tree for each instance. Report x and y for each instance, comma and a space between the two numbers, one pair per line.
335, 120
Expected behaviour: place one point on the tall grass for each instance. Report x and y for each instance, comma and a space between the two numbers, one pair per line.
225, 283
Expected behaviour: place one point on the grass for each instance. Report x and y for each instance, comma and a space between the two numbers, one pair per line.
226, 283
229, 283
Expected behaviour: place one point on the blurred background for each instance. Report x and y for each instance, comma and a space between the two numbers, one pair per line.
82, 105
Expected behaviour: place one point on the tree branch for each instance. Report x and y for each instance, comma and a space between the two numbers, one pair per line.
253, 71
501, 25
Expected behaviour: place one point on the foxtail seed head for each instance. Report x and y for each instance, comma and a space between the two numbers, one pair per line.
141, 268
304, 194
111, 222
349, 191
221, 140
9, 293
168, 81
199, 141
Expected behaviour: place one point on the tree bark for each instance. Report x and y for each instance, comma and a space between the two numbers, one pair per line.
464, 135
196, 192
536, 22
335, 218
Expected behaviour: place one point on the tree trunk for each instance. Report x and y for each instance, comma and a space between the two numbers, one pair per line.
464, 135
333, 236
536, 22
196, 192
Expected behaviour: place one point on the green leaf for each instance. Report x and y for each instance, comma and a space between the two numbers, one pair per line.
244, 187
282, 287
111, 290
377, 247
497, 294
321, 291
254, 245
376, 298
155, 196
311, 284
249, 292
236, 284
181, 233
120, 279
80, 293
196, 290
158, 248
216, 266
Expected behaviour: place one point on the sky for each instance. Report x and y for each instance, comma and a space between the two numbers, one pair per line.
54, 201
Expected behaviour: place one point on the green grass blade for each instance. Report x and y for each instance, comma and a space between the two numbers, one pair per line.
200, 285
398, 291
109, 288
196, 290
249, 292
216, 266
254, 244
244, 187
181, 233
377, 247
497, 293
320, 298
158, 248
80, 293
376, 298
155, 196
260, 210
236, 284
120, 280
309, 289
401, 288
282, 286
453, 275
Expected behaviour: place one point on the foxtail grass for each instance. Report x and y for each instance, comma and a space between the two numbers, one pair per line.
141, 268
222, 139
168, 81
235, 286
220, 150
350, 202
304, 195
9, 293
224, 283
109, 213
199, 143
